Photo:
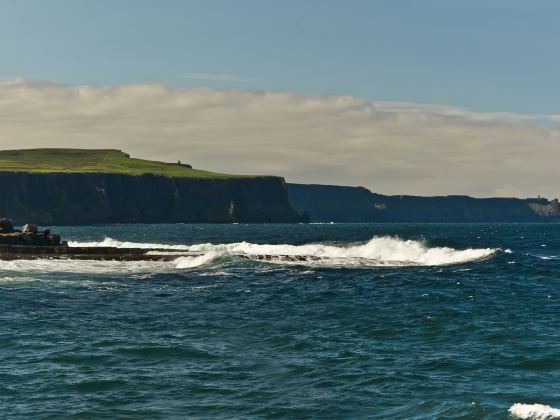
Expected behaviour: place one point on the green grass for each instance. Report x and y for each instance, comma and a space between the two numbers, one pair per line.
94, 161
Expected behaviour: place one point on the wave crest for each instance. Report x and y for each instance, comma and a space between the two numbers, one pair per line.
378, 251
534, 411
192, 262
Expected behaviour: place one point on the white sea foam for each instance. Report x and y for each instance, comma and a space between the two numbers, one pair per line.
84, 266
126, 244
534, 411
379, 251
191, 262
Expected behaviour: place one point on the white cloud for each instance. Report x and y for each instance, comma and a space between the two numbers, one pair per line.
389, 147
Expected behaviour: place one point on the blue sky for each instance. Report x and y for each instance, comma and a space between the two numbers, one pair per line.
486, 55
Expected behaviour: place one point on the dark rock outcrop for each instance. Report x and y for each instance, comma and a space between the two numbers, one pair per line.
29, 244
6, 225
30, 239
330, 203
74, 199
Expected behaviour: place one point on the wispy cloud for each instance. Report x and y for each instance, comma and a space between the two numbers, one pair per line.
389, 147
217, 77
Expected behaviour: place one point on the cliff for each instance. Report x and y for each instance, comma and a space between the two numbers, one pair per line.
84, 186
329, 203
72, 198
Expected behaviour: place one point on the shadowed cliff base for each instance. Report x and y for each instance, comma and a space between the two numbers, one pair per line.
75, 199
331, 203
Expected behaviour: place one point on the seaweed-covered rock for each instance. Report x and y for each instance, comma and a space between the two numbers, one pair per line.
28, 238
54, 239
13, 238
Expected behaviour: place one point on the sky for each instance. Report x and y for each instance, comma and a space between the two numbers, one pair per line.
418, 97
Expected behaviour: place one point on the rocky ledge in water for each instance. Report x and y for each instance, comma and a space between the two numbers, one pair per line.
30, 243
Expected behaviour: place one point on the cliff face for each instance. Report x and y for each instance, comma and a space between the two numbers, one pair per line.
59, 198
328, 203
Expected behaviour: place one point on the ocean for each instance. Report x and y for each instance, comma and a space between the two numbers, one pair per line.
388, 321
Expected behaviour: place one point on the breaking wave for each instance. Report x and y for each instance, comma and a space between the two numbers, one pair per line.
379, 251
534, 411
191, 262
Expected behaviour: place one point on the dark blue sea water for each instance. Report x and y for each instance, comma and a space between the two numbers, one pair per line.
404, 326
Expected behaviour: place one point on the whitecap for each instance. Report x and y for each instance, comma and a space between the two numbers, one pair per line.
534, 411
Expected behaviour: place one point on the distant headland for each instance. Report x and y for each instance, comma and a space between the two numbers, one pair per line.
333, 203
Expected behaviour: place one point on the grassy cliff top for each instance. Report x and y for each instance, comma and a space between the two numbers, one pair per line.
94, 161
